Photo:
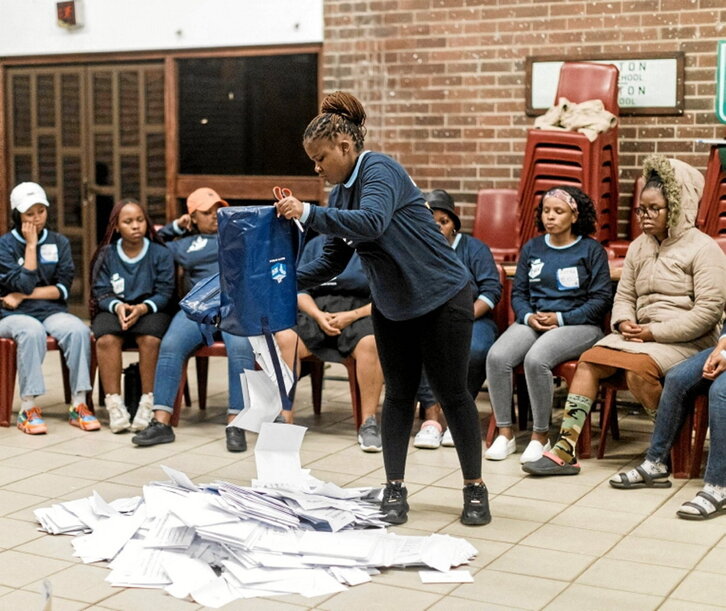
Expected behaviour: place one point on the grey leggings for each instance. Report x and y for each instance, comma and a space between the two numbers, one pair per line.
540, 352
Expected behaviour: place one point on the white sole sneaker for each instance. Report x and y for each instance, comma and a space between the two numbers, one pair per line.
429, 437
501, 448
534, 451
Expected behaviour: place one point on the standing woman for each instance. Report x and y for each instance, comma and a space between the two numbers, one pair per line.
377, 210
560, 295
36, 273
132, 280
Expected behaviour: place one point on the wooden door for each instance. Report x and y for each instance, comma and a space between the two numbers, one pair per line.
89, 135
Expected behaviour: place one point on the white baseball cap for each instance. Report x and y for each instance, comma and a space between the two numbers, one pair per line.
26, 195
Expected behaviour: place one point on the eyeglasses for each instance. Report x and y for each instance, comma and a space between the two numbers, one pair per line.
651, 211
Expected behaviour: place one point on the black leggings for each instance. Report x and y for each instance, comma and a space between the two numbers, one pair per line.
440, 341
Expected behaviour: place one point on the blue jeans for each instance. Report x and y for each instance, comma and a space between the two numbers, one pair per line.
681, 385
483, 334
181, 339
73, 337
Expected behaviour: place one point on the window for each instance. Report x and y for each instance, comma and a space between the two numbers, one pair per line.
246, 115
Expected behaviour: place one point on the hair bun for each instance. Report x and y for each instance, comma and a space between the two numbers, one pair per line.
344, 105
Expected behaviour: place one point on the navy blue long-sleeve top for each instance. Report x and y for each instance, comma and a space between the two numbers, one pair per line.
197, 254
572, 281
351, 281
478, 259
147, 278
55, 268
380, 213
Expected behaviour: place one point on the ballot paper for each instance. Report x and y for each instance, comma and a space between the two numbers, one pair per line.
216, 542
261, 397
264, 360
277, 454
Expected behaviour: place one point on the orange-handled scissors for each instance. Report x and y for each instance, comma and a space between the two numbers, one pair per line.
282, 193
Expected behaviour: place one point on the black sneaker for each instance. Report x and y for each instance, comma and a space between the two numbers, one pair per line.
157, 432
236, 440
394, 506
476, 505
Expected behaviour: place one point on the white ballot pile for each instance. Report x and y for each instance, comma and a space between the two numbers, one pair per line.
288, 533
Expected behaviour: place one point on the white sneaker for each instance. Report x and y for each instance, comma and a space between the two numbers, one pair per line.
447, 440
501, 448
534, 451
118, 416
144, 412
429, 437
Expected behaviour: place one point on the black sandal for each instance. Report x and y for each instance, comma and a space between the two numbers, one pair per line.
648, 481
719, 507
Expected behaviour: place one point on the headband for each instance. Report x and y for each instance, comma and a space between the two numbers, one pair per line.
564, 196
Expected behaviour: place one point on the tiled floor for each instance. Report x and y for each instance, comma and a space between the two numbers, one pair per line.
571, 543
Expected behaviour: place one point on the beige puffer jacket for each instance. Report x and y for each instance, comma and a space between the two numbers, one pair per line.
677, 287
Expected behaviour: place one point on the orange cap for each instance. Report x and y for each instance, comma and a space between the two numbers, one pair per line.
203, 199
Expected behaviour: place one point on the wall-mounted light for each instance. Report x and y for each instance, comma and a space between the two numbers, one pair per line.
69, 14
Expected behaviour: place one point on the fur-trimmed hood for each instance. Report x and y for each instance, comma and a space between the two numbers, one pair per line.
682, 186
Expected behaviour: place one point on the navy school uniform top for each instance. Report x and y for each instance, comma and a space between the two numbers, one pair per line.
350, 282
573, 281
55, 268
380, 213
484, 275
146, 278
196, 253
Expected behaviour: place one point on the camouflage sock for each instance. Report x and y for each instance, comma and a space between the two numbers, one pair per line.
576, 409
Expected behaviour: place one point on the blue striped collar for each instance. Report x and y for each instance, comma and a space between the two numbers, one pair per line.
349, 183
125, 258
19, 237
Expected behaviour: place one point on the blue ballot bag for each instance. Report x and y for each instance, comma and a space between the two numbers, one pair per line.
257, 261
202, 305
258, 255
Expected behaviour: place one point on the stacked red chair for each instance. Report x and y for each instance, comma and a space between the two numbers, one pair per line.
712, 209
553, 158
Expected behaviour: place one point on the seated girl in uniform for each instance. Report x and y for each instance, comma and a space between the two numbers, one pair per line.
36, 272
561, 293
132, 281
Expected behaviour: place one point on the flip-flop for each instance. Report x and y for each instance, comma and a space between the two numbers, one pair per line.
648, 481
703, 513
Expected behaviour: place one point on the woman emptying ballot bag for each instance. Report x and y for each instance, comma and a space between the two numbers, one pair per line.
377, 210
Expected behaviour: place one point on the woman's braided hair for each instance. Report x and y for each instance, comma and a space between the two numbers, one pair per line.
340, 113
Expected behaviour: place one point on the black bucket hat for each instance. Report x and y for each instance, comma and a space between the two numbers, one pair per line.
438, 199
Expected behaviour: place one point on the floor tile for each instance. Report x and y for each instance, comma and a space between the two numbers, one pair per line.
14, 501
379, 596
714, 561
632, 577
700, 587
510, 590
685, 531
659, 551
499, 529
545, 563
573, 540
133, 599
578, 597
593, 518
26, 599
18, 569
507, 506
82, 582
556, 489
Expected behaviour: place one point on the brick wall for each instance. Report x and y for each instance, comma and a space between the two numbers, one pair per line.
443, 81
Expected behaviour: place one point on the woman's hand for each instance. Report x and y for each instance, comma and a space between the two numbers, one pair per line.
128, 315
324, 322
289, 207
341, 320
715, 364
185, 222
633, 332
30, 233
12, 300
543, 321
